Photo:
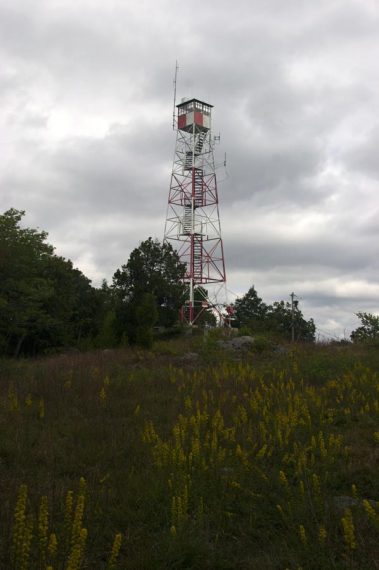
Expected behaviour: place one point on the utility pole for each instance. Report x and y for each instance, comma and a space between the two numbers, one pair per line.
293, 303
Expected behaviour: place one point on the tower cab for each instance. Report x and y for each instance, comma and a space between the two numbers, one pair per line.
192, 114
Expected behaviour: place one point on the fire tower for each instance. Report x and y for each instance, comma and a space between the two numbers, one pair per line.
192, 222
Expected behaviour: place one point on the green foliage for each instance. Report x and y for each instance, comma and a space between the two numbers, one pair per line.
204, 316
177, 455
147, 313
245, 331
147, 316
144, 337
369, 329
107, 336
280, 318
253, 313
44, 301
153, 268
250, 310
263, 343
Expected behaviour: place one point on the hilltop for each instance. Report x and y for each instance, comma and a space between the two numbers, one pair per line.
256, 459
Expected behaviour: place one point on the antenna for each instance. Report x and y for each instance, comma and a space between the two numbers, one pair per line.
175, 81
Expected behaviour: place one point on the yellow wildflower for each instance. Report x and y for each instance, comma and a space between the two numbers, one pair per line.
52, 547
115, 551
349, 530
322, 534
302, 534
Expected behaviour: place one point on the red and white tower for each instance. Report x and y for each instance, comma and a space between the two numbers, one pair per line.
193, 222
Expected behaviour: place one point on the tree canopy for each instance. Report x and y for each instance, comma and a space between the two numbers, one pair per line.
44, 301
155, 269
276, 319
369, 329
250, 310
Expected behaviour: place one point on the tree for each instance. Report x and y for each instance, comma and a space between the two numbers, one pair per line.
106, 337
369, 329
147, 316
152, 268
276, 319
23, 290
280, 319
44, 301
204, 315
73, 305
250, 310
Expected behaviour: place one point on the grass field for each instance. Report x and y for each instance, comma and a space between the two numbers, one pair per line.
142, 460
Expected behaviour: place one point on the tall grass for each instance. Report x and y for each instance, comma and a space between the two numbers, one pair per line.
134, 459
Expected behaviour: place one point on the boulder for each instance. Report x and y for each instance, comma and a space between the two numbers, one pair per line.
241, 342
345, 502
190, 357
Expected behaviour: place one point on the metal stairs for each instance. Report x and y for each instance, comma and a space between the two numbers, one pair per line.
199, 141
198, 259
187, 221
198, 188
198, 147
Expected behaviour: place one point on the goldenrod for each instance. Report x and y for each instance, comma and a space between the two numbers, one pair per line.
322, 534
349, 530
18, 531
115, 551
78, 519
41, 409
103, 396
12, 398
26, 543
283, 479
43, 526
77, 550
52, 546
316, 485
302, 534
371, 512
68, 517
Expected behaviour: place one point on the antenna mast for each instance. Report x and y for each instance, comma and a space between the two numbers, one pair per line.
175, 81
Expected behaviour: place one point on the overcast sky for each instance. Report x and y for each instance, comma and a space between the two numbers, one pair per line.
86, 94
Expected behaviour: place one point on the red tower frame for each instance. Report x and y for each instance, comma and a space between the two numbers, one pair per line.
193, 221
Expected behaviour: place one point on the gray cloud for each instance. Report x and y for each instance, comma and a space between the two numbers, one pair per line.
86, 105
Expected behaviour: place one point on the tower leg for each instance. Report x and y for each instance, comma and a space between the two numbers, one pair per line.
192, 303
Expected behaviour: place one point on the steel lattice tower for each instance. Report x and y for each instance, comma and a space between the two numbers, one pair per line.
193, 221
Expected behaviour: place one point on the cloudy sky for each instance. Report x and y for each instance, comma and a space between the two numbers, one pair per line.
86, 90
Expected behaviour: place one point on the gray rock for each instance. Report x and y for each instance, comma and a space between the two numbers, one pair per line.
241, 342
280, 349
236, 343
190, 357
345, 502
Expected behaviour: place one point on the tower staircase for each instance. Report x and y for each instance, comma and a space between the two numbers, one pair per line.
198, 147
198, 258
198, 187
